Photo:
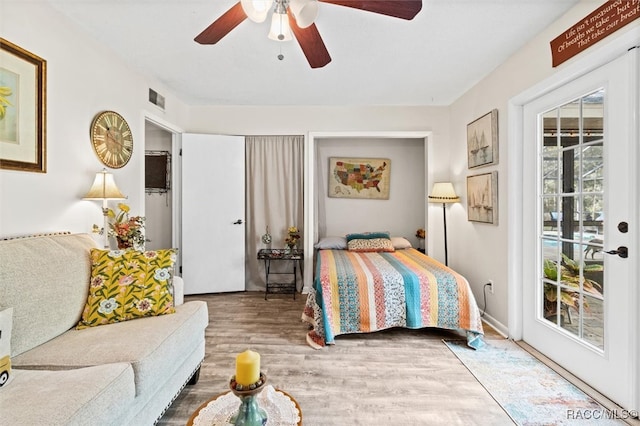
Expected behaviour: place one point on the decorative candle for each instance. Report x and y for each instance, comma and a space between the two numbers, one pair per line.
247, 368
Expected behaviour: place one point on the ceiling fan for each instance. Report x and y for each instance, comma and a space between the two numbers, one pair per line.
298, 16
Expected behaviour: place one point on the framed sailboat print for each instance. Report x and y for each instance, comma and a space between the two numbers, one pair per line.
482, 140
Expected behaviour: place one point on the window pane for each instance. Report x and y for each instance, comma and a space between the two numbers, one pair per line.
570, 123
570, 311
594, 321
592, 168
550, 170
592, 116
572, 202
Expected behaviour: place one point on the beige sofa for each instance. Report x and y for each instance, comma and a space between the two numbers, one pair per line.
117, 374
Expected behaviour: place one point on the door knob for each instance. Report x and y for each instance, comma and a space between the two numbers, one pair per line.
238, 222
622, 251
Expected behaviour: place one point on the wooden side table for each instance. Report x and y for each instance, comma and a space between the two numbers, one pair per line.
282, 409
297, 258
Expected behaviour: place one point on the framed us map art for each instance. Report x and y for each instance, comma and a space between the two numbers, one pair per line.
365, 178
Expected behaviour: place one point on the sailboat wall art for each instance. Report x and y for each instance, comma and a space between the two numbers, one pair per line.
482, 198
482, 140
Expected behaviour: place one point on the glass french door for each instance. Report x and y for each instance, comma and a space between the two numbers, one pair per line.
578, 192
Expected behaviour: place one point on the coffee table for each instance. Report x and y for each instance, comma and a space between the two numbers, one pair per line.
282, 409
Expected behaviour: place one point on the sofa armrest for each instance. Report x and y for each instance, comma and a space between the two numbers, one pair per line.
178, 291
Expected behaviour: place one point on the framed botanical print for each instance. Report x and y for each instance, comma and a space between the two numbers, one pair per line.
22, 109
482, 198
482, 140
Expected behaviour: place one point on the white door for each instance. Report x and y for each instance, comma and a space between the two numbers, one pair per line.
213, 195
578, 194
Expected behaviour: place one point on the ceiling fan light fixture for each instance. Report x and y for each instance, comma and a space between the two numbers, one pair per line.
256, 10
280, 29
305, 11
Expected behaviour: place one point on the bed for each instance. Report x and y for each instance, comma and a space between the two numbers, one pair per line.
367, 291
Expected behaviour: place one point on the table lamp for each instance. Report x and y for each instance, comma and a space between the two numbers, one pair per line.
104, 188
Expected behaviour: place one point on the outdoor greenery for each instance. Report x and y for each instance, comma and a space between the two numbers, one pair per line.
569, 276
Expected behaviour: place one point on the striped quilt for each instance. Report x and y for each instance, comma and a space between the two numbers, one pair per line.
364, 292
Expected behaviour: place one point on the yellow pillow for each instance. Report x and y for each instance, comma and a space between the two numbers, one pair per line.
128, 284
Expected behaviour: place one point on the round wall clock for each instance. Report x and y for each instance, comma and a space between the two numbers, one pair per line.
111, 139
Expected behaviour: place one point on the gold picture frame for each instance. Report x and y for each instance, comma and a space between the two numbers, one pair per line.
364, 178
482, 140
482, 198
22, 109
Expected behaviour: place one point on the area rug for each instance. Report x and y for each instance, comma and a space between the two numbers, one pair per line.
530, 392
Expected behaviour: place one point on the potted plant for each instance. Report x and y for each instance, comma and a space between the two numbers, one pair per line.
570, 276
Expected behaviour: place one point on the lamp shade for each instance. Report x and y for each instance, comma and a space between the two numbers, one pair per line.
280, 30
104, 188
305, 11
256, 10
443, 192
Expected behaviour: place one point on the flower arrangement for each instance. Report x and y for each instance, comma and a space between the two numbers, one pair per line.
127, 230
420, 233
293, 236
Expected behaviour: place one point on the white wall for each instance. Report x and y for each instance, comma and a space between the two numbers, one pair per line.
487, 245
83, 79
283, 120
158, 205
403, 213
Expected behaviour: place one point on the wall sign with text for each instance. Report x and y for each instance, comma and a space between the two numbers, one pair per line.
605, 20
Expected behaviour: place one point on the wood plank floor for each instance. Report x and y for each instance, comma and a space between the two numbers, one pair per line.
393, 377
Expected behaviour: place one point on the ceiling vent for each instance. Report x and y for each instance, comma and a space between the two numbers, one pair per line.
156, 98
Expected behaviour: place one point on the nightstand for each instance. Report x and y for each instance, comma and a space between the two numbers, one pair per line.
296, 257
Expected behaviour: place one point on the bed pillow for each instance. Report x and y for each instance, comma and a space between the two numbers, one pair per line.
370, 245
400, 243
6, 321
128, 284
331, 243
367, 236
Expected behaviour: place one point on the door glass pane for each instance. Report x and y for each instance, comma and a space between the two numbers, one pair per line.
594, 321
571, 237
551, 167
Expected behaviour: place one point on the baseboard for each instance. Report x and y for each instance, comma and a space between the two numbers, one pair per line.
502, 329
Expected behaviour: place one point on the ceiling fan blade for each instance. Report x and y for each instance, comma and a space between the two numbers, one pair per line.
403, 9
311, 43
222, 26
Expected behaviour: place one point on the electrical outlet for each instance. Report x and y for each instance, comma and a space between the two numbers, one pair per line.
490, 282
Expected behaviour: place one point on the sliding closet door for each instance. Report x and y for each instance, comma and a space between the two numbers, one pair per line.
213, 200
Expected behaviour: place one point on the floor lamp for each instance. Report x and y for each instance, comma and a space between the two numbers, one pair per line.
104, 188
444, 193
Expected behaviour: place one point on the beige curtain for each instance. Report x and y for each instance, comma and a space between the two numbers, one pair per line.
275, 198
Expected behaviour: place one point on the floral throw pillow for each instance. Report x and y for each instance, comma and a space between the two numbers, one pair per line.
128, 284
6, 320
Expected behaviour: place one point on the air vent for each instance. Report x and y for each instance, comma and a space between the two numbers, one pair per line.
156, 98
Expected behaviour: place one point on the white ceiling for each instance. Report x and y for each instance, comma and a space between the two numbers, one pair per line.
376, 60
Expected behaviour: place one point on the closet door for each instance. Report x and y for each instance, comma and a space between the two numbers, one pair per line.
213, 208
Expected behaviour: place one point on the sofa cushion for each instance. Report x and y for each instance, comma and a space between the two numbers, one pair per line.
128, 284
54, 272
92, 396
152, 345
